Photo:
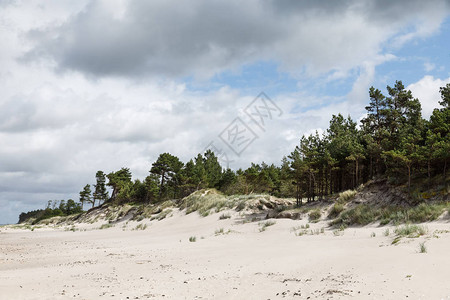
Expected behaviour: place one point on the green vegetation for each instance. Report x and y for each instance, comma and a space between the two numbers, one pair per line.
141, 226
364, 214
192, 239
359, 215
53, 209
422, 248
314, 215
106, 226
205, 200
411, 231
392, 142
162, 215
335, 210
264, 225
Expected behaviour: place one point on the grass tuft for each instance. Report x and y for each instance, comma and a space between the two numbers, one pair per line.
266, 224
314, 215
224, 216
192, 239
346, 196
336, 210
411, 231
105, 226
422, 248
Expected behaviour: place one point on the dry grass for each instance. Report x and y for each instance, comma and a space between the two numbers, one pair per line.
346, 196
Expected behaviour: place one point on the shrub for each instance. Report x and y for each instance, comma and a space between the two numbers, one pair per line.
314, 215
192, 239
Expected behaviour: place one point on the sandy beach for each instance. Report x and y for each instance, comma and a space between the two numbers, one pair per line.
229, 259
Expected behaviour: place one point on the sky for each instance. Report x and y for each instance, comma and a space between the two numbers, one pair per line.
101, 85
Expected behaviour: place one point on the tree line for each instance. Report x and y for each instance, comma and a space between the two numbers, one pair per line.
392, 141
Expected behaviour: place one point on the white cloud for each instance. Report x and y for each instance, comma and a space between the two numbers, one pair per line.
427, 91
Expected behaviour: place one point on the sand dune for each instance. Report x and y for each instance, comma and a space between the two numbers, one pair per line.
238, 262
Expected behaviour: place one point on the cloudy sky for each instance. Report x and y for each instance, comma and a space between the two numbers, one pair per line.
100, 85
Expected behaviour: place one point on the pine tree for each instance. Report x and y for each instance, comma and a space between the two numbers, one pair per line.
119, 181
168, 168
85, 195
100, 192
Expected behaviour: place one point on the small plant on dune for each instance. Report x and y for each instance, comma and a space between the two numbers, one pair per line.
141, 227
314, 215
396, 240
386, 232
338, 232
422, 248
192, 239
266, 224
306, 226
316, 231
373, 234
224, 216
301, 232
218, 231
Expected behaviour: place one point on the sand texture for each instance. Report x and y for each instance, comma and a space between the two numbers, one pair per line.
229, 259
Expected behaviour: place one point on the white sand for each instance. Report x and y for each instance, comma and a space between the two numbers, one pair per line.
161, 263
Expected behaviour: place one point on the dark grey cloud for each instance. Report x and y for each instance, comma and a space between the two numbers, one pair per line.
175, 39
